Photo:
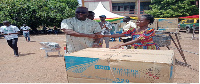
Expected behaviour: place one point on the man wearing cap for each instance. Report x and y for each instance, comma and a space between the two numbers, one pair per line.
80, 31
105, 29
10, 33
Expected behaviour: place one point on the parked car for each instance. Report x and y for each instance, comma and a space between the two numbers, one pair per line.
189, 25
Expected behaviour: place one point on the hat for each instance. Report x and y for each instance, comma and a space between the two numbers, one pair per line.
102, 16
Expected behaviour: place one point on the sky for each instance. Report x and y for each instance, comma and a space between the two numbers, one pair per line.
79, 1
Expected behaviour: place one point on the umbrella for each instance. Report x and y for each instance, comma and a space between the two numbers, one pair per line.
190, 17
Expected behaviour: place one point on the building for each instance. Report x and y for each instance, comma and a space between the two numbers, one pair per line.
121, 7
124, 7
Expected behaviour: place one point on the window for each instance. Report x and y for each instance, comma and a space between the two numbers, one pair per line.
190, 21
129, 6
115, 8
144, 6
126, 8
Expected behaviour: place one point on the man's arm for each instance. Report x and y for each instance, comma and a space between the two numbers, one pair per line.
96, 40
127, 43
15, 33
76, 34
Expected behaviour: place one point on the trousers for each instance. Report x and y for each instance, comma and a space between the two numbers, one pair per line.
107, 39
26, 35
13, 44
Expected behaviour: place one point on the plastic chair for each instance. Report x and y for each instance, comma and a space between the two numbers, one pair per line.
119, 32
112, 31
112, 39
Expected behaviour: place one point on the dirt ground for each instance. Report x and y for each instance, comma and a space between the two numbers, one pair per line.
33, 67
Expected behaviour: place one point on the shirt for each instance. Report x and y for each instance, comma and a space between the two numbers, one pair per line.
9, 29
25, 28
109, 25
87, 27
146, 38
127, 26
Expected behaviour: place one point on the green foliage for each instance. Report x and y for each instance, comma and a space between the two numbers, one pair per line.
37, 12
172, 8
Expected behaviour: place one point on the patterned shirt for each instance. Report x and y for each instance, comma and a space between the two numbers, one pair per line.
146, 38
109, 25
87, 27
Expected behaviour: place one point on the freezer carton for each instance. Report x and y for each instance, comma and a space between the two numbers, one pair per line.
103, 65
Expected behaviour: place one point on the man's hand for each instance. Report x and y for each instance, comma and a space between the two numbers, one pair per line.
6, 34
76, 34
105, 26
92, 36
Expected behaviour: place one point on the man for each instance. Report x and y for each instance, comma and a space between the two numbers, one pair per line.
10, 33
55, 30
126, 26
26, 33
91, 15
80, 31
106, 27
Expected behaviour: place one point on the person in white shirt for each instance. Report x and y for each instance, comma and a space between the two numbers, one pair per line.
128, 24
10, 33
26, 33
80, 31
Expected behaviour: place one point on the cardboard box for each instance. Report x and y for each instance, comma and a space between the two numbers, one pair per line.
120, 65
83, 80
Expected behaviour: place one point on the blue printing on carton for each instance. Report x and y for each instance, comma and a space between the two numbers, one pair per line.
171, 72
79, 64
102, 67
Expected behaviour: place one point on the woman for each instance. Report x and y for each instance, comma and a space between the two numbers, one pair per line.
142, 36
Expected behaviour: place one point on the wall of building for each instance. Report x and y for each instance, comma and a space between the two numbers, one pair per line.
92, 4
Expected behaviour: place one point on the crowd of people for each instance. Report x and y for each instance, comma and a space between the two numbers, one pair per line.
83, 32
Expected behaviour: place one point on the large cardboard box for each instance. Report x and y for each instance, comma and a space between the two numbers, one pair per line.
105, 65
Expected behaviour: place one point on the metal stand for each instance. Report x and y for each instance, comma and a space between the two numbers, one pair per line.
179, 48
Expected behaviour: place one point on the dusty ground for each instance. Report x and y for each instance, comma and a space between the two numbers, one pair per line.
33, 67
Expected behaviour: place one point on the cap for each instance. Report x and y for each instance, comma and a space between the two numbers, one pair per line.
102, 16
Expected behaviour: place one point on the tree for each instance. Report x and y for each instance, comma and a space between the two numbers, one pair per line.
172, 8
37, 12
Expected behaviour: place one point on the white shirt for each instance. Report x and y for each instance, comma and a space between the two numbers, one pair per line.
129, 25
87, 27
25, 28
9, 29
